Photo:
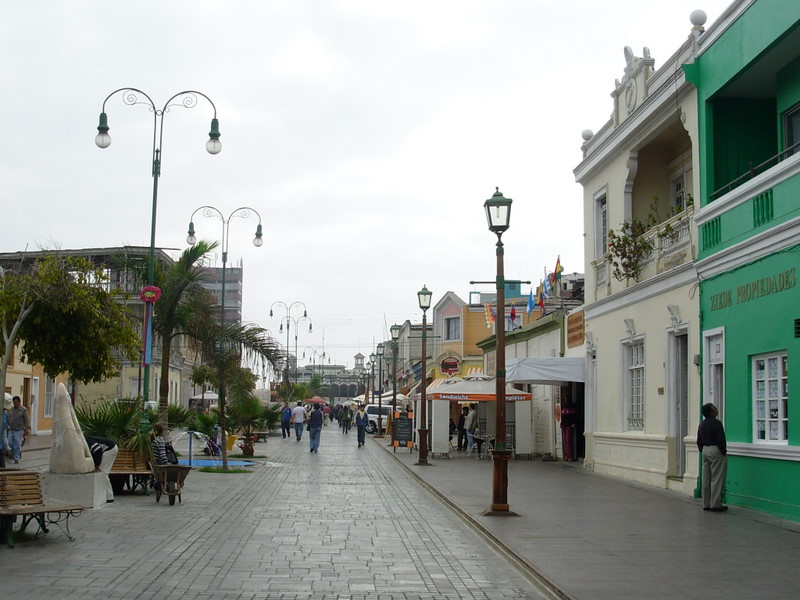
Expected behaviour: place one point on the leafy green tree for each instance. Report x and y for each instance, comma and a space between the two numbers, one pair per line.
59, 307
314, 387
202, 375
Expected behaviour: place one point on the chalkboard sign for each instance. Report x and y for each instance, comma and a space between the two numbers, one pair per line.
403, 430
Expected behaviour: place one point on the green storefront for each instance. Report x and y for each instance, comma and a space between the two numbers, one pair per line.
748, 80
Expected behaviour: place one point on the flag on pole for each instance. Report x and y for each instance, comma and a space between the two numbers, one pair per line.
489, 315
558, 270
540, 295
513, 314
531, 304
546, 287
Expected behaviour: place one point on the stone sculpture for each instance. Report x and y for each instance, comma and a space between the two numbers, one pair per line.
69, 452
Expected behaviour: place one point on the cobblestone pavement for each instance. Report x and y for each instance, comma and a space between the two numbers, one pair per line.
343, 523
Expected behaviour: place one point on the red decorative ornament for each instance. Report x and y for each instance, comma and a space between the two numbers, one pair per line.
150, 293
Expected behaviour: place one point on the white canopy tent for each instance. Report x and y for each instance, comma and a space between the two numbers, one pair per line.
548, 371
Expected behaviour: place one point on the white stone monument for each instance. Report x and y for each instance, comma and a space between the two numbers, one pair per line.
72, 476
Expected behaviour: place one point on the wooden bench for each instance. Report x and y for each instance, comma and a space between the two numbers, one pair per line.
130, 470
21, 496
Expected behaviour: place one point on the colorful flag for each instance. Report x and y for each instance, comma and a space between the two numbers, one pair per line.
513, 313
558, 269
530, 302
489, 315
540, 295
546, 287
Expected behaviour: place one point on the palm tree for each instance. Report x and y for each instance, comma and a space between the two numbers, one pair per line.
225, 348
183, 300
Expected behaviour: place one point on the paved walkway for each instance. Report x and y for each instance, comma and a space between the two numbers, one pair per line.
599, 538
345, 523
592, 537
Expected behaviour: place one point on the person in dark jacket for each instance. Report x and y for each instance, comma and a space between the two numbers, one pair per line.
711, 442
315, 428
103, 451
462, 432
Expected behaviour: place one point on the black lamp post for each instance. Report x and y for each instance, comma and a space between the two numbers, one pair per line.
395, 331
424, 297
185, 99
367, 382
498, 215
380, 391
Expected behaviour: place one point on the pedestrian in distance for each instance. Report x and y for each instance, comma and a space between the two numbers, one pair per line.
712, 444
471, 425
569, 422
326, 415
3, 430
362, 420
19, 425
286, 421
462, 431
345, 418
315, 422
103, 452
299, 420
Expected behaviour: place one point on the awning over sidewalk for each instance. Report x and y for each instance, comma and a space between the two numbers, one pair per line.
548, 371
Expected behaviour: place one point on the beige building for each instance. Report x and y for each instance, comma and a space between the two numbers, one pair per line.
639, 173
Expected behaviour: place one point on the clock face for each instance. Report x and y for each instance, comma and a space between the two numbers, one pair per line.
630, 96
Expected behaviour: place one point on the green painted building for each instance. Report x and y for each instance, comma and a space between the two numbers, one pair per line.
747, 76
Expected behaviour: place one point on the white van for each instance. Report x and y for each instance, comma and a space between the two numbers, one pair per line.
372, 414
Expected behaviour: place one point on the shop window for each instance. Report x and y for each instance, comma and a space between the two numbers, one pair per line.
770, 398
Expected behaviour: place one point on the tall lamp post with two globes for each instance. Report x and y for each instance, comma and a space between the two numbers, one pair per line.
211, 211
424, 297
289, 320
185, 99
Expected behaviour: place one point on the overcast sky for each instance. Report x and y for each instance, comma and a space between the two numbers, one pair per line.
366, 133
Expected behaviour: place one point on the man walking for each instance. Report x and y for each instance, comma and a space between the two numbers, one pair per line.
299, 420
711, 442
315, 427
362, 420
19, 424
471, 425
286, 421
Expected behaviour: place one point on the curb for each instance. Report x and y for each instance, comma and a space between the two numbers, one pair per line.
540, 581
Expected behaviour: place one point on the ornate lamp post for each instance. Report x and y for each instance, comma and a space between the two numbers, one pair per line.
288, 319
498, 215
380, 391
314, 353
211, 211
373, 358
395, 331
185, 99
424, 298
367, 381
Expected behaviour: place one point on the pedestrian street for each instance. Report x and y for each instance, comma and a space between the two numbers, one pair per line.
346, 522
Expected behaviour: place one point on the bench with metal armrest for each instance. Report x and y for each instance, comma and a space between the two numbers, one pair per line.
21, 496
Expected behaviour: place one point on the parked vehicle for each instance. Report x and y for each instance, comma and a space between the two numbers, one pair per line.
372, 414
